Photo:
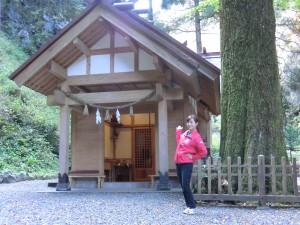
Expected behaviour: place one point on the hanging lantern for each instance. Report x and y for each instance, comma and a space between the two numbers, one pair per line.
107, 117
118, 116
86, 111
131, 110
98, 117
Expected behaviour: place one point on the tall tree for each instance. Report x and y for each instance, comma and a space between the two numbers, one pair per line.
196, 16
251, 104
198, 28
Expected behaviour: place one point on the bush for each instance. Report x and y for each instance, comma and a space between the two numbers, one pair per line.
28, 128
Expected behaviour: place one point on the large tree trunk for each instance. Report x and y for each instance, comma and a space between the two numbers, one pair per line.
251, 106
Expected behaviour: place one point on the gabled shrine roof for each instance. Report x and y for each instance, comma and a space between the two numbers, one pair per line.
45, 70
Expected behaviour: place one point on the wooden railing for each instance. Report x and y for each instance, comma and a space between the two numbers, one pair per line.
247, 182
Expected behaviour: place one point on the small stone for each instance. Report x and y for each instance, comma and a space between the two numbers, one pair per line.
10, 178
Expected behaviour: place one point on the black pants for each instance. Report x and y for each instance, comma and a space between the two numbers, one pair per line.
184, 174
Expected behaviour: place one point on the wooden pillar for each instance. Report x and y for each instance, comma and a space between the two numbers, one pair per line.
187, 109
63, 179
163, 183
209, 133
101, 150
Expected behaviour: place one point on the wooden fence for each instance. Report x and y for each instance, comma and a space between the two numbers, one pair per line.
247, 182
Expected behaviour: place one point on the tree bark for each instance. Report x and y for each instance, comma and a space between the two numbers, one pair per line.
251, 104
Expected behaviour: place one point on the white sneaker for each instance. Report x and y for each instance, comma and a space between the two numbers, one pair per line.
186, 210
189, 211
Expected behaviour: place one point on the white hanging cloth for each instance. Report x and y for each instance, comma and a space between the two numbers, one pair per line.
98, 117
118, 116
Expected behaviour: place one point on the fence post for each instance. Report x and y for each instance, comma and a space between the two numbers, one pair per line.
239, 172
229, 175
199, 176
219, 176
261, 180
250, 175
273, 174
295, 186
209, 175
283, 167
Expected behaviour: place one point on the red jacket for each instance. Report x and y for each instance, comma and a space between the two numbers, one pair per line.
189, 144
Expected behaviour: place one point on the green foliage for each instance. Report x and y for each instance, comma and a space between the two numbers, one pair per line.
185, 21
34, 22
174, 25
287, 4
215, 145
208, 4
292, 137
166, 4
294, 80
216, 129
279, 4
28, 128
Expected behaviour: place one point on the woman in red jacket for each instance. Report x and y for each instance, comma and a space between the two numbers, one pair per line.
190, 148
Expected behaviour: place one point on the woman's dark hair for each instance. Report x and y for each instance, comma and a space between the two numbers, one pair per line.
195, 118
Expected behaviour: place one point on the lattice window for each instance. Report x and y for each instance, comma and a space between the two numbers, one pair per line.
143, 148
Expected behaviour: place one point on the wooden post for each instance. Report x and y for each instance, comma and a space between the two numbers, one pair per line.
250, 176
239, 168
163, 183
209, 175
283, 167
63, 179
294, 175
101, 150
199, 162
219, 176
273, 174
261, 180
229, 175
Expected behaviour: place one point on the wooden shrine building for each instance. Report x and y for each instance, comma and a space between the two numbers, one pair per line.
122, 86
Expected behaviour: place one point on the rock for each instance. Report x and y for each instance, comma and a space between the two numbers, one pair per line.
10, 178
6, 173
30, 177
22, 176
1, 177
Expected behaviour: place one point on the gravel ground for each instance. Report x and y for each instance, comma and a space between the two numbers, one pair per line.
32, 202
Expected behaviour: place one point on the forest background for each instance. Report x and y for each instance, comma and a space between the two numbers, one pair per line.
29, 129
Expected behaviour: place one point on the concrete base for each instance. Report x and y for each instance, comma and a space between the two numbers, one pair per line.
63, 183
63, 187
85, 183
163, 182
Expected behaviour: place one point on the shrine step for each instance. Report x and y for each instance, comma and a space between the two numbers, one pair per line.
107, 185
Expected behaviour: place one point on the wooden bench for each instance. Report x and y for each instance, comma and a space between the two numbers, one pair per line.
155, 177
87, 174
172, 176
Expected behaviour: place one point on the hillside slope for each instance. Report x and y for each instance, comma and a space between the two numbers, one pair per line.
28, 128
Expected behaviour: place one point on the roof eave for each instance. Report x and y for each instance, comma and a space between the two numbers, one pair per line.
53, 40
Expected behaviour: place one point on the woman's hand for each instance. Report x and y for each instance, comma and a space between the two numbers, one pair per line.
190, 156
179, 128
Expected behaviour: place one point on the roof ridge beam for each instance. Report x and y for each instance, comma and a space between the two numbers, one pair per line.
131, 43
82, 46
57, 70
158, 63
